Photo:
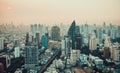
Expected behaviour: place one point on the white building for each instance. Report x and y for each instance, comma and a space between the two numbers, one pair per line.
115, 52
96, 60
93, 43
74, 56
17, 52
107, 42
8, 60
83, 57
1, 43
63, 47
18, 71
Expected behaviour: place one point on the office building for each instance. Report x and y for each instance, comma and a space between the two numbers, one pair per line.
17, 52
115, 52
107, 42
27, 38
31, 57
35, 28
78, 38
106, 52
71, 34
1, 43
44, 41
63, 46
92, 42
32, 29
55, 33
75, 36
38, 39
74, 56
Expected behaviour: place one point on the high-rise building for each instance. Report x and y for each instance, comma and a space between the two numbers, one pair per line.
71, 34
17, 52
31, 57
44, 41
107, 42
67, 44
74, 56
92, 42
78, 42
115, 52
106, 48
63, 46
106, 52
40, 28
32, 29
55, 33
27, 38
38, 39
78, 38
100, 35
75, 36
1, 43
35, 28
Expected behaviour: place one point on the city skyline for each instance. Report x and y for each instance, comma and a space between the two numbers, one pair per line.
62, 11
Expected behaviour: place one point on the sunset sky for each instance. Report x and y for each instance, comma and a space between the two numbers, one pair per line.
59, 11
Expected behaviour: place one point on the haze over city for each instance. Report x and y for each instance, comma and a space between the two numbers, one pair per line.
59, 36
59, 11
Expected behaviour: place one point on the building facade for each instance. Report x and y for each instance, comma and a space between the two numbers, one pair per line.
31, 57
55, 33
1, 43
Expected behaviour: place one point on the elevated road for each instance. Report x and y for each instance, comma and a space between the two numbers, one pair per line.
57, 53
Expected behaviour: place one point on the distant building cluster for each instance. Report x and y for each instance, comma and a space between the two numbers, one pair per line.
60, 48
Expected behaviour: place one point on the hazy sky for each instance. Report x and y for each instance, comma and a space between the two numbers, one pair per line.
59, 11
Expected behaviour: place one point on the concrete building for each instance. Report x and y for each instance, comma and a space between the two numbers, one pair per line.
31, 57
67, 46
44, 41
55, 33
115, 52
8, 61
74, 56
107, 42
83, 57
71, 34
17, 52
38, 39
96, 60
27, 38
1, 43
92, 42
106, 52
18, 71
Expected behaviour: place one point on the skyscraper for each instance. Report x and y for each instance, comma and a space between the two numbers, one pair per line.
27, 38
106, 52
17, 52
38, 39
78, 38
31, 57
32, 29
71, 34
107, 42
55, 33
115, 52
75, 36
35, 28
44, 41
1, 43
92, 42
